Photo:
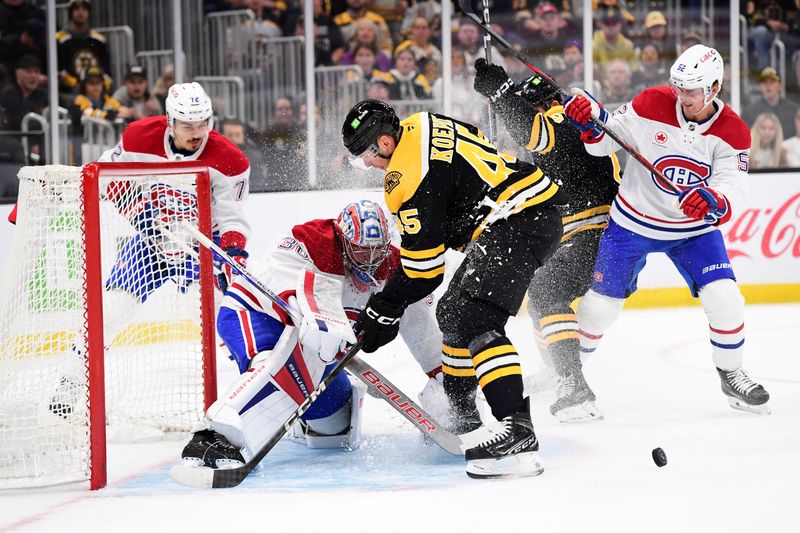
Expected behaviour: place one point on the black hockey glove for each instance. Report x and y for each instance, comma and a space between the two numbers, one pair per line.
378, 323
491, 80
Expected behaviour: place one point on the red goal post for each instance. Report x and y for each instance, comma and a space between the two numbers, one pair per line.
103, 320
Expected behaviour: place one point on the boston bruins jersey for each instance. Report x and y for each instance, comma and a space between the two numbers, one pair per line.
556, 148
445, 184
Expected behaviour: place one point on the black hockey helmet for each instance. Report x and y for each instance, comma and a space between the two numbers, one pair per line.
540, 92
367, 121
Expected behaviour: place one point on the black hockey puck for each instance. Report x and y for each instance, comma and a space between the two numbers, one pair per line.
659, 457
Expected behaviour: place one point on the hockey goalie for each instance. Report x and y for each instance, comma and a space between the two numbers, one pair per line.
335, 264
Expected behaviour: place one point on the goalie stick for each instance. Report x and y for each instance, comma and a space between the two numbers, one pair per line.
467, 9
377, 384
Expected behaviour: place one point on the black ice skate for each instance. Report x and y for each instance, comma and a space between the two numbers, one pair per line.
511, 452
575, 400
743, 393
209, 449
462, 421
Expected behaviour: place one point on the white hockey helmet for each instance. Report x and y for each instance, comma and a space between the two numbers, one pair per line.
188, 102
699, 67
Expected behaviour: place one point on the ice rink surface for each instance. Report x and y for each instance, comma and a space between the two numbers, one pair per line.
727, 471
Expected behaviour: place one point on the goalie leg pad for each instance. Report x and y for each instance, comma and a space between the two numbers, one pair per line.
341, 428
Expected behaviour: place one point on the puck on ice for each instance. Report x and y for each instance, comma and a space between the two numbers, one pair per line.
659, 457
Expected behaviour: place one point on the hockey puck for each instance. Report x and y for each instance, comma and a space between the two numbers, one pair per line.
659, 457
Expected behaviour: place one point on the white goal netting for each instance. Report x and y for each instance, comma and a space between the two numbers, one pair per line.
151, 320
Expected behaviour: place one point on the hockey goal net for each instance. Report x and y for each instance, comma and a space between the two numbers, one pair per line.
105, 323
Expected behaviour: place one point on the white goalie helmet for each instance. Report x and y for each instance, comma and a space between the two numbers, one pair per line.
699, 67
364, 236
188, 102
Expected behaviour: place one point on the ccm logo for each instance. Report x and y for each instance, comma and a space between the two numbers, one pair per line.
411, 412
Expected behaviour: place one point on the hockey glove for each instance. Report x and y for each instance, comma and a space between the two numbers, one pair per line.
703, 203
232, 243
491, 80
585, 112
378, 324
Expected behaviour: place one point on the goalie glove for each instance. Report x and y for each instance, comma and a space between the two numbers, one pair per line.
585, 112
704, 203
491, 80
232, 242
378, 324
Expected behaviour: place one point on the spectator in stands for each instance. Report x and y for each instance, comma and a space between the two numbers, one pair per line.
769, 82
543, 38
407, 82
234, 130
79, 48
24, 95
33, 41
689, 38
162, 85
284, 146
430, 10
655, 32
617, 87
392, 12
135, 94
768, 18
426, 54
378, 90
20, 98
356, 10
364, 59
329, 45
609, 43
767, 150
652, 71
468, 105
267, 22
572, 76
792, 144
15, 19
367, 34
93, 99
470, 42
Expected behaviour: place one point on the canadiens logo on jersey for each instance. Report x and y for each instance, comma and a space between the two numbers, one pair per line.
682, 171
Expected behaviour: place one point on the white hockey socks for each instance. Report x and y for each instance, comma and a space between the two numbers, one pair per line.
724, 306
596, 313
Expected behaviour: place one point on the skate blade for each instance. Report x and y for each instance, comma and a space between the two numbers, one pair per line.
519, 465
739, 405
579, 414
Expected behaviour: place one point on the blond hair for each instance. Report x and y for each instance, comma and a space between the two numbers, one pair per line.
775, 148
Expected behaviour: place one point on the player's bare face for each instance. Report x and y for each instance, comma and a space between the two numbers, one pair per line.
693, 104
377, 155
189, 135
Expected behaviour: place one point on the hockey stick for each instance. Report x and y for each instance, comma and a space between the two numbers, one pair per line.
487, 50
377, 385
467, 9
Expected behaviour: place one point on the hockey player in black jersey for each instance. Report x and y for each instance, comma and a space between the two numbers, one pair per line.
450, 188
534, 117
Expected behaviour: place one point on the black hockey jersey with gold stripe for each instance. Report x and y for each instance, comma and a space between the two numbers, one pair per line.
591, 182
445, 184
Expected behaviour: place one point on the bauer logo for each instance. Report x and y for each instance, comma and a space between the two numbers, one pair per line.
682, 171
391, 181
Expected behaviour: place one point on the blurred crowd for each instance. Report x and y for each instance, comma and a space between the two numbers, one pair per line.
395, 49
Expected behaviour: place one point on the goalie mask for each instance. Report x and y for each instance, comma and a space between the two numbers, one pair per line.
364, 236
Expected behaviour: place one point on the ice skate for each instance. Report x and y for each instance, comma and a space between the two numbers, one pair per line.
209, 449
511, 452
743, 393
575, 400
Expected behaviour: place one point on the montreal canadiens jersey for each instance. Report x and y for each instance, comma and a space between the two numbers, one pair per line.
713, 153
313, 246
147, 140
